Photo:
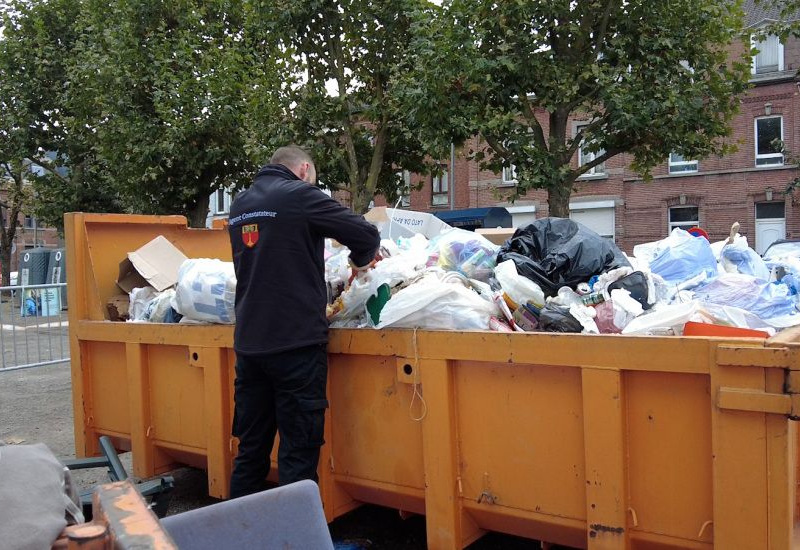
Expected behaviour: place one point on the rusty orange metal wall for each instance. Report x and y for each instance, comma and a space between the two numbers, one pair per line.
600, 442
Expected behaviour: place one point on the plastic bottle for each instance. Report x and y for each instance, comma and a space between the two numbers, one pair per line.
593, 299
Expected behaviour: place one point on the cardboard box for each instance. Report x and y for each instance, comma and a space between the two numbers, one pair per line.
393, 223
118, 308
155, 264
497, 235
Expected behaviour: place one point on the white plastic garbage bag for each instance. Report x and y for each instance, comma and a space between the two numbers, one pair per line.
393, 271
668, 320
626, 309
157, 308
520, 289
206, 291
140, 299
585, 315
433, 304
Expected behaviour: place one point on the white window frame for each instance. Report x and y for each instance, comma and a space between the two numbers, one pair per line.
441, 197
683, 164
683, 225
598, 171
405, 199
754, 44
509, 175
755, 144
226, 202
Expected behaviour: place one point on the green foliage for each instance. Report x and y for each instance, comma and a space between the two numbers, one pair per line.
166, 87
648, 78
357, 48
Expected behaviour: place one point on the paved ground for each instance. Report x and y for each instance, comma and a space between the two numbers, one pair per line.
36, 406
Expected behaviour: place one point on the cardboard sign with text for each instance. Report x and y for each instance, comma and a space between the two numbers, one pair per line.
393, 223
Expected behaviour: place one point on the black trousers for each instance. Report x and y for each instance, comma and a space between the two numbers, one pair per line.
284, 393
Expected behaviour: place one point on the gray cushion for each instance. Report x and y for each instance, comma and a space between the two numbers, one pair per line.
288, 517
37, 500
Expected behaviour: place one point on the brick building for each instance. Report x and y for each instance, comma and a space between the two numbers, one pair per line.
747, 186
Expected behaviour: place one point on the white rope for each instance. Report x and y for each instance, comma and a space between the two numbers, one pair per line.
416, 386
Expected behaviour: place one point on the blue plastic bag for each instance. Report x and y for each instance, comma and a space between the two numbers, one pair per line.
681, 257
740, 258
764, 299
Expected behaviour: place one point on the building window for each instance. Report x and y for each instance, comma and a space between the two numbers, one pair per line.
684, 217
679, 165
30, 222
769, 58
441, 186
585, 157
404, 188
221, 202
509, 175
769, 134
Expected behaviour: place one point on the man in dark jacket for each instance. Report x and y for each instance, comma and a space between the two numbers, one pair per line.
277, 230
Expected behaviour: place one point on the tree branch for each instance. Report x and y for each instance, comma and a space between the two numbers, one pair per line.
576, 141
600, 33
48, 165
530, 116
333, 144
495, 144
597, 161
8, 169
381, 141
337, 65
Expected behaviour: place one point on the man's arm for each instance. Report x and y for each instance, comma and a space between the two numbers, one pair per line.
331, 219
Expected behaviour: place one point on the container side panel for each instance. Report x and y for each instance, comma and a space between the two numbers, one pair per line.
669, 448
372, 431
520, 431
110, 410
740, 466
177, 397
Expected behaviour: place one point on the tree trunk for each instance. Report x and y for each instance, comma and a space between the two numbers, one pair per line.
361, 199
558, 200
198, 214
559, 192
5, 261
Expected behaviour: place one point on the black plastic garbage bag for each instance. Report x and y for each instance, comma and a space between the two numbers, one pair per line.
556, 252
558, 319
636, 284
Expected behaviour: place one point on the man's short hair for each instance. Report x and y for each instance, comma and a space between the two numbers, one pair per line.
290, 156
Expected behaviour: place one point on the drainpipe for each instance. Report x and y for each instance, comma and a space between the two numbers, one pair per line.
452, 176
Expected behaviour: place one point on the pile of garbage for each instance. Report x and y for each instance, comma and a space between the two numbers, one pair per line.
556, 275
553, 275
162, 285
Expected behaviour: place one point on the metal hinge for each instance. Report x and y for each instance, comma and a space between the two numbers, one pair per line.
748, 399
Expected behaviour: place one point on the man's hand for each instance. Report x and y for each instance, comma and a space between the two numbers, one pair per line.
359, 271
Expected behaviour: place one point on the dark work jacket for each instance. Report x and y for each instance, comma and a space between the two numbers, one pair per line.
277, 229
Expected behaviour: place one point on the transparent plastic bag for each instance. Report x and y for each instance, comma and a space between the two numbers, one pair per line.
766, 300
466, 252
206, 291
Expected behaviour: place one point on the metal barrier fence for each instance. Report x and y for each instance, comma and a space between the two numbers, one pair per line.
34, 330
